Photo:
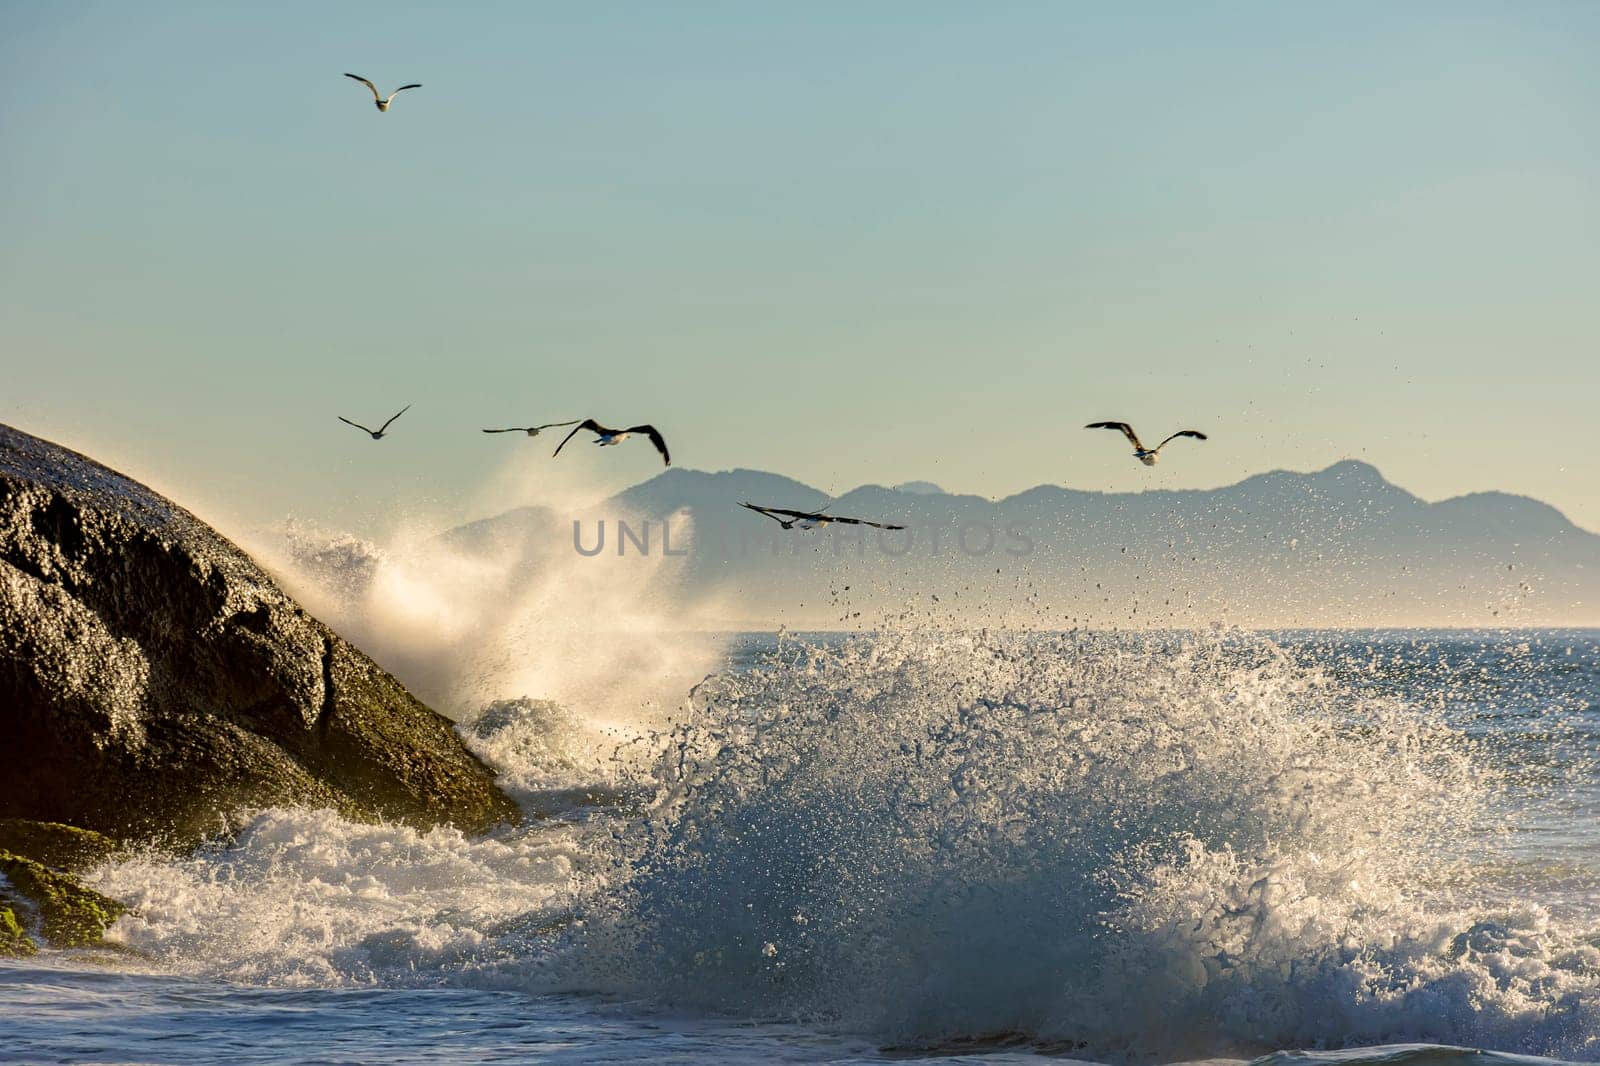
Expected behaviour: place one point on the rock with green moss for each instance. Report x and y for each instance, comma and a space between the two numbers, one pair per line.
154, 681
14, 940
70, 915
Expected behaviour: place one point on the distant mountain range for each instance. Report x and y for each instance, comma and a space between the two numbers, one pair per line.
1337, 547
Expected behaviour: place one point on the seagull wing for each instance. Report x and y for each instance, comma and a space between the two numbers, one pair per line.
587, 423
1126, 430
762, 510
861, 522
656, 439
792, 514
347, 422
402, 89
1195, 433
368, 84
513, 429
397, 414
553, 425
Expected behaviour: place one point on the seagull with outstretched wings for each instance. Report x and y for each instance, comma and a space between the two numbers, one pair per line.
379, 99
812, 519
606, 436
532, 431
376, 434
1147, 456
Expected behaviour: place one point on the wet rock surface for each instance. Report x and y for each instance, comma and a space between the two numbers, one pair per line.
68, 914
154, 680
63, 847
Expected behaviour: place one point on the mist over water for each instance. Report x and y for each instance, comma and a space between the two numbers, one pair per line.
475, 615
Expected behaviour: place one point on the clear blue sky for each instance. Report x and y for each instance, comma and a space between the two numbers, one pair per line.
846, 242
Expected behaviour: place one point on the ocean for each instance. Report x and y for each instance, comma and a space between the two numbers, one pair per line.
920, 843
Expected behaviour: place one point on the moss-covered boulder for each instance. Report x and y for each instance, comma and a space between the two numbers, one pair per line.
154, 680
14, 940
70, 915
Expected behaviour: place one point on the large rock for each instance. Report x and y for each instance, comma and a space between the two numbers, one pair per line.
154, 680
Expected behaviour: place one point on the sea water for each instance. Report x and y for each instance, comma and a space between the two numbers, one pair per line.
921, 843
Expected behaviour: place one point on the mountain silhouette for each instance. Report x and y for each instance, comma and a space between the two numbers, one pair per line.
1341, 546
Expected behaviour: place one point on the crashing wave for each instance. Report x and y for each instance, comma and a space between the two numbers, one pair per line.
1132, 846
1115, 847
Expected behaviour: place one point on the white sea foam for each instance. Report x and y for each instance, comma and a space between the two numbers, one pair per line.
1127, 849
305, 898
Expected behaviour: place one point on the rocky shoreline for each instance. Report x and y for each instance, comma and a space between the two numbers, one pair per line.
156, 684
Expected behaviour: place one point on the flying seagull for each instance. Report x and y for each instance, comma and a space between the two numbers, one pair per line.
383, 101
811, 519
1147, 456
532, 431
617, 436
377, 434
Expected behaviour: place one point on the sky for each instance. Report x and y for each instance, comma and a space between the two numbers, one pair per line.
850, 243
